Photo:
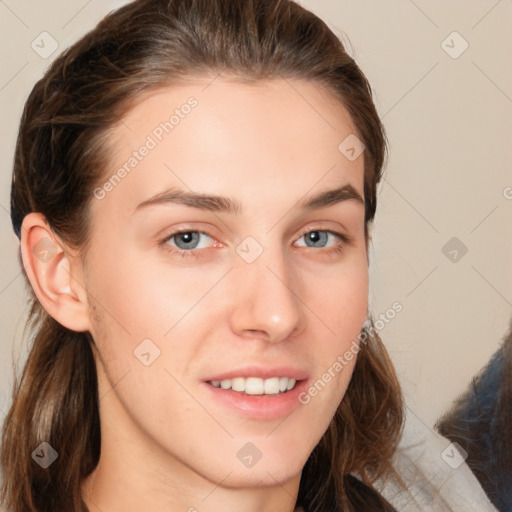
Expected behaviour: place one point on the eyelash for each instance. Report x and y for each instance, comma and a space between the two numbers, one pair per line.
340, 246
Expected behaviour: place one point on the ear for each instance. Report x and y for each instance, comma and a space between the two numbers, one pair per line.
54, 273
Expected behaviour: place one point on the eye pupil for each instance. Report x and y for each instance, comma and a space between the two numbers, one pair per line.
186, 237
316, 236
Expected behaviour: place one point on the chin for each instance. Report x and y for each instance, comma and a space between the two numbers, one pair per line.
270, 474
269, 466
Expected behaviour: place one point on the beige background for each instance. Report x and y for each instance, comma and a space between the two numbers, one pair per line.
449, 121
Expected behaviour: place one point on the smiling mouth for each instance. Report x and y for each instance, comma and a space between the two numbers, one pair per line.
256, 386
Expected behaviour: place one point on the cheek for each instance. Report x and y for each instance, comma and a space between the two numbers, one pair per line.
342, 302
142, 314
141, 300
342, 308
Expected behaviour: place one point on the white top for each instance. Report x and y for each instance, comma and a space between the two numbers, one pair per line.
437, 478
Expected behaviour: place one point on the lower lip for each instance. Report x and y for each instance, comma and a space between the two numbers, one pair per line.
261, 407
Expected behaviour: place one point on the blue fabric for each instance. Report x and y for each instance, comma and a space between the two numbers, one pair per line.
474, 423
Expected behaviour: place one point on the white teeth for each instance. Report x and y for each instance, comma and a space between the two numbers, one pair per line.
255, 385
238, 384
225, 384
271, 386
291, 383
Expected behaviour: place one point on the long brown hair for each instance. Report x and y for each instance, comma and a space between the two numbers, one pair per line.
61, 157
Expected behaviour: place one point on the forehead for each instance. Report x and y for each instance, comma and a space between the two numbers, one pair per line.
232, 101
260, 140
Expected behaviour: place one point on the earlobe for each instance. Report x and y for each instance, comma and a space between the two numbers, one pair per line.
51, 273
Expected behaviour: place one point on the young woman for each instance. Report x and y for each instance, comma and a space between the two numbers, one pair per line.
193, 189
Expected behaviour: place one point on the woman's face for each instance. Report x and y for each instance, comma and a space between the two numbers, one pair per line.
257, 287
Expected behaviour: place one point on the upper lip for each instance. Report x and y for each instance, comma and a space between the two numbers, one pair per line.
263, 372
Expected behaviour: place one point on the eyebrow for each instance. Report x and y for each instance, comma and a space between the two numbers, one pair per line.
222, 204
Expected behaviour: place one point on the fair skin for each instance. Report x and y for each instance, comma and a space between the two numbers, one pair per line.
167, 442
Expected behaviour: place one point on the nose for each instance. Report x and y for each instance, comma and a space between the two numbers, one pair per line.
267, 304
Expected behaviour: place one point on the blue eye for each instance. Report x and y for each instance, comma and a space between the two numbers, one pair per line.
316, 236
185, 242
321, 236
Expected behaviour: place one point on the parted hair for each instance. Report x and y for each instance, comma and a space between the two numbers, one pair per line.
60, 157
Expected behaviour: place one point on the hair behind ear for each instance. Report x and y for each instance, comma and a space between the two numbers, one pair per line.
55, 401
